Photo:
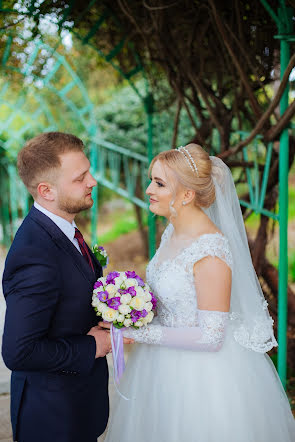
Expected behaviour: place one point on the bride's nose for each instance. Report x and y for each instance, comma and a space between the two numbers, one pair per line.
149, 189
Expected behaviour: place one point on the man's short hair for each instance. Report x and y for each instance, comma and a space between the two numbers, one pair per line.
41, 155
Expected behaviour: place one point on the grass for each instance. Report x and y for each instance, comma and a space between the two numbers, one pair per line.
124, 222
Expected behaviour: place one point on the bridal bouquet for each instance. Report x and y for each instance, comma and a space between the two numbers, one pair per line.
123, 299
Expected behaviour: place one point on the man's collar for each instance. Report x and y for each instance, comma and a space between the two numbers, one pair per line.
65, 226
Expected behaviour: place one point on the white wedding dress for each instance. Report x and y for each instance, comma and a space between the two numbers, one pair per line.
188, 379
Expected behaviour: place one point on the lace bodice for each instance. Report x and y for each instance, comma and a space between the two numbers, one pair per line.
179, 322
173, 281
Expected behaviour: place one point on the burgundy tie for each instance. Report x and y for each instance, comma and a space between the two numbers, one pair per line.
83, 247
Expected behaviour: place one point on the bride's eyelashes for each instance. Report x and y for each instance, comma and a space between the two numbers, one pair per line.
159, 184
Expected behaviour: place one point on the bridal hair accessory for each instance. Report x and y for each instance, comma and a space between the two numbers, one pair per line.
188, 158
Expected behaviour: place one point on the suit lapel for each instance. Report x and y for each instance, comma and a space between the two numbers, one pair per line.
63, 242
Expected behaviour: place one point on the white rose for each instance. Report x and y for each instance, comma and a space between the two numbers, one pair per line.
98, 289
148, 306
95, 301
125, 299
120, 318
137, 303
144, 321
149, 317
127, 322
120, 280
130, 282
140, 291
124, 309
147, 296
111, 289
147, 288
110, 315
102, 307
138, 323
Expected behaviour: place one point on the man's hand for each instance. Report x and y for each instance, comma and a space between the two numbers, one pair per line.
103, 341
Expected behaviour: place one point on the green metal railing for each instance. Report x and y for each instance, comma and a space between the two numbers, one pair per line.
284, 21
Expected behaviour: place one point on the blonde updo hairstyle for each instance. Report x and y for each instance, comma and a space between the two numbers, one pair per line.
201, 183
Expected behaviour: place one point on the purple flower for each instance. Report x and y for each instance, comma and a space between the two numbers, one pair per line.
130, 274
103, 296
135, 276
135, 315
140, 281
98, 284
114, 302
130, 290
101, 248
111, 277
122, 291
144, 313
153, 300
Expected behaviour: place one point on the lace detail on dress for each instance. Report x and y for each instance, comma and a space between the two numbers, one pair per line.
213, 325
150, 334
208, 335
211, 244
173, 280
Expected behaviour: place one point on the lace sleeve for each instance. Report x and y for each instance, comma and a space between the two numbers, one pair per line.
207, 336
208, 245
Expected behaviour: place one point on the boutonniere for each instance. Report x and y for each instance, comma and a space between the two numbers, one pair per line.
101, 255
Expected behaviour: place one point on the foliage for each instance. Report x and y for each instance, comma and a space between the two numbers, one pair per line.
122, 120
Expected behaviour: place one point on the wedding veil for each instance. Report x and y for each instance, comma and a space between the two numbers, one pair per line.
250, 321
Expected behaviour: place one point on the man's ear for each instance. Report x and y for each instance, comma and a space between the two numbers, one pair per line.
46, 191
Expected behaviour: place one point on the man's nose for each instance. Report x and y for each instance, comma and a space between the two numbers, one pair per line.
92, 182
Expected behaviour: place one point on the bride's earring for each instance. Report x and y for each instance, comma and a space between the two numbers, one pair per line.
183, 203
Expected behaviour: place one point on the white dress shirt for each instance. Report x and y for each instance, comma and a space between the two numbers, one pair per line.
65, 226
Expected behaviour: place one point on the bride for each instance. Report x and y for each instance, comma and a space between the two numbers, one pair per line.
200, 372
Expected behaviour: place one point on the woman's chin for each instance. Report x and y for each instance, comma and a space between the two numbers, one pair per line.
156, 211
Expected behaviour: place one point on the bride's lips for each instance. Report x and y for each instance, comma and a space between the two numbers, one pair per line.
153, 201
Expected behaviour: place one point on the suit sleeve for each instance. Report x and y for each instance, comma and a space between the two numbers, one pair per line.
32, 289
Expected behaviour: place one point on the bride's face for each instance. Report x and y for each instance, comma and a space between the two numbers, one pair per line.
161, 190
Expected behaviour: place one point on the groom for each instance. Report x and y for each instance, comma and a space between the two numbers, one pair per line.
51, 341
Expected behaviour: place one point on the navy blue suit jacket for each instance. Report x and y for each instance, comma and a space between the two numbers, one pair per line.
59, 391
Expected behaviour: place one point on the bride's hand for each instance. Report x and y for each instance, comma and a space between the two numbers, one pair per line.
107, 326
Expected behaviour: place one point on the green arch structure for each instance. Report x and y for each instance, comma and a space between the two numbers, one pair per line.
115, 159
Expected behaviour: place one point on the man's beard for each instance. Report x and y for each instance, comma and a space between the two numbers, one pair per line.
72, 206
